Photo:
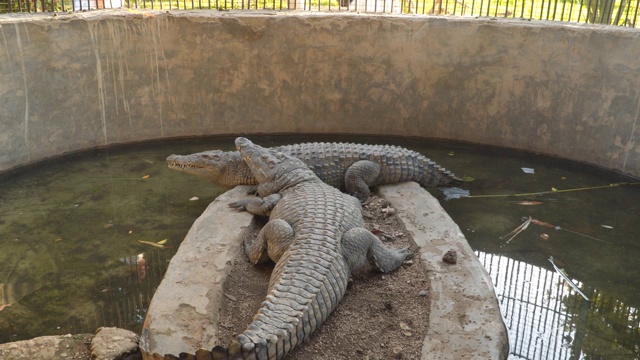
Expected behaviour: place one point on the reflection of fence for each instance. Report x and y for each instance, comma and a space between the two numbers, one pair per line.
548, 320
126, 299
610, 12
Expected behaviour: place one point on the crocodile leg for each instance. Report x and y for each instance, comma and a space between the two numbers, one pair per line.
272, 241
257, 206
359, 244
359, 177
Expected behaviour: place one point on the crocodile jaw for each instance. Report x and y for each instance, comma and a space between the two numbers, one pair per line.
211, 165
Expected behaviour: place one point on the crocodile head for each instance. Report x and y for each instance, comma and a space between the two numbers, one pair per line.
273, 170
222, 168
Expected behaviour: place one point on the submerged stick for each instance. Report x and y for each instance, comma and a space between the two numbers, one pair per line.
555, 191
566, 278
581, 234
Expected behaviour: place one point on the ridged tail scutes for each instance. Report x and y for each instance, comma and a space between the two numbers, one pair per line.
233, 352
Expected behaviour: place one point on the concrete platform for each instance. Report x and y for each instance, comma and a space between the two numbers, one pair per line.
465, 320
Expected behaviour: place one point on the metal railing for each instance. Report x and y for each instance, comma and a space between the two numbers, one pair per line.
608, 12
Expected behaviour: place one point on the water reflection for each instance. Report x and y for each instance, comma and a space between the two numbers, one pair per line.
549, 320
124, 300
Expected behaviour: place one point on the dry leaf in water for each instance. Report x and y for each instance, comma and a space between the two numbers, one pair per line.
529, 203
151, 244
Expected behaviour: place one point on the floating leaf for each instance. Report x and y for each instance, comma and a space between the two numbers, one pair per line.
162, 242
454, 193
563, 178
544, 236
529, 202
58, 239
146, 176
607, 226
554, 189
467, 178
107, 225
151, 244
194, 198
528, 170
451, 153
545, 224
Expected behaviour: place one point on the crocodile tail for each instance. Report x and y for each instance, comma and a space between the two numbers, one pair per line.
436, 175
233, 352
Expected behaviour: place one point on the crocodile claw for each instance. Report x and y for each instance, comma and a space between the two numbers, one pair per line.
240, 205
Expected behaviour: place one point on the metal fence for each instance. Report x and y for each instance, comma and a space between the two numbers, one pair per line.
609, 12
547, 319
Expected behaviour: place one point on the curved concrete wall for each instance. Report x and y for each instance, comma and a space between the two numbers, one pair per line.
79, 81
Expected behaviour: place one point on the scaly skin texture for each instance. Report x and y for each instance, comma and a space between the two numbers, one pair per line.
350, 167
316, 236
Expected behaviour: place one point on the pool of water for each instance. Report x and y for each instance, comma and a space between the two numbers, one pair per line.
72, 260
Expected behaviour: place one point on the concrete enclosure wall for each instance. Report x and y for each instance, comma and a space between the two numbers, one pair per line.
78, 81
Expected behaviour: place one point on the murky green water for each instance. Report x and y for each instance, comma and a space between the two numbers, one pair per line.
70, 259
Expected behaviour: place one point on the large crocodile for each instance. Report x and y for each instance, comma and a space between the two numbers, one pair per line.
316, 236
346, 166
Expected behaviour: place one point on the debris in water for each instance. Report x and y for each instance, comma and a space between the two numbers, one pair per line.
529, 202
556, 227
152, 244
194, 198
454, 193
528, 170
162, 242
566, 278
517, 230
544, 236
107, 225
146, 176
545, 224
607, 226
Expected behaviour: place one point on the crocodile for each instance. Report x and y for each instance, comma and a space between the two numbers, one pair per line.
347, 166
316, 236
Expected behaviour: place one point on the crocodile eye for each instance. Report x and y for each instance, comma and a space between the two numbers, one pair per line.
211, 157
